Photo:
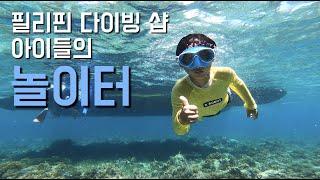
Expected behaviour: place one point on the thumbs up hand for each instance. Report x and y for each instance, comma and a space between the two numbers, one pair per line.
189, 113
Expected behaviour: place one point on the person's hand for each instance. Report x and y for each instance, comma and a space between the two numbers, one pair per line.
189, 113
252, 113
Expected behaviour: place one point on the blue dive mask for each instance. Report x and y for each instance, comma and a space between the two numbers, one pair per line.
196, 57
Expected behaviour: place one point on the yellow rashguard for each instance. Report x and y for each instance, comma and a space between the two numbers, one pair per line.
209, 100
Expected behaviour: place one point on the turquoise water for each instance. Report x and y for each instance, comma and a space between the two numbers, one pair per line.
268, 44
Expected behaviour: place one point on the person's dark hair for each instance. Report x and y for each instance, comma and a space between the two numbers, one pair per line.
192, 40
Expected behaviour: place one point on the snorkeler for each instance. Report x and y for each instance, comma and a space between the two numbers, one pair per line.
205, 90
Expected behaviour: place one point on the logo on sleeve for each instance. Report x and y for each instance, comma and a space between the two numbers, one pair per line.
212, 102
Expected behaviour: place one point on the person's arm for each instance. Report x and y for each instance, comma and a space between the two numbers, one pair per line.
178, 127
240, 88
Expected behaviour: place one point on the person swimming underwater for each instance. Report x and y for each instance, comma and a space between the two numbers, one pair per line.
205, 90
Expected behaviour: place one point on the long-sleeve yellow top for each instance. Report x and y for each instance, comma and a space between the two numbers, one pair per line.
209, 100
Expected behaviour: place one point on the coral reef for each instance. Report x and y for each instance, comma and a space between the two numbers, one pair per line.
216, 157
